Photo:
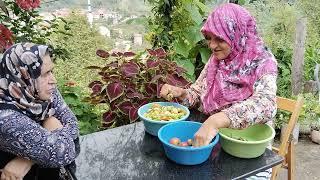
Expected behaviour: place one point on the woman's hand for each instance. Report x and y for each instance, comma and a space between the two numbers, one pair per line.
209, 129
169, 92
204, 135
16, 169
52, 123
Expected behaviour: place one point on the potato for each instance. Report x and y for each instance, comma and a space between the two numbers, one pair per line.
184, 144
175, 141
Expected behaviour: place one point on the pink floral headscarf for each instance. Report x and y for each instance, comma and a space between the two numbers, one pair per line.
231, 80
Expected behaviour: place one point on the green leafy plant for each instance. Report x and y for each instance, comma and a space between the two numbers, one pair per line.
312, 57
309, 115
276, 23
129, 81
81, 48
310, 112
175, 26
86, 113
281, 118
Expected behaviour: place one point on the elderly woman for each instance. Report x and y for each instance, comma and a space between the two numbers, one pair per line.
237, 87
38, 132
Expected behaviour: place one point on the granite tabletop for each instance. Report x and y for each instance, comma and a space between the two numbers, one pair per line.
127, 152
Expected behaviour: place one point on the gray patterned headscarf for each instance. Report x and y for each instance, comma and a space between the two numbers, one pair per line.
20, 66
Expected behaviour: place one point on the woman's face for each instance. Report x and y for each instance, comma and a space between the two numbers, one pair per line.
46, 83
218, 46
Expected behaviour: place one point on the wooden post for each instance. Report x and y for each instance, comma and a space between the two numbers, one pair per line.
298, 54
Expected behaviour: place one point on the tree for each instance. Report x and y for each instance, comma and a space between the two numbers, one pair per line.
21, 22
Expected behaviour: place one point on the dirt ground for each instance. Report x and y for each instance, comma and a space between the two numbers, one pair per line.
307, 161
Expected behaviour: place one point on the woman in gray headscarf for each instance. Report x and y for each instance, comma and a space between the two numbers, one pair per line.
38, 132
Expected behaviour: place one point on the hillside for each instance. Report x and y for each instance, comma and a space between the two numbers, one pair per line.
136, 7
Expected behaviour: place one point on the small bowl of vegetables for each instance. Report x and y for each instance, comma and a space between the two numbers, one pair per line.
177, 141
157, 114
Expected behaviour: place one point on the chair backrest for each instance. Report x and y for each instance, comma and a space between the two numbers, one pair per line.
293, 106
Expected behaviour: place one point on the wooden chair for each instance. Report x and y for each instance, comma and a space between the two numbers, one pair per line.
286, 148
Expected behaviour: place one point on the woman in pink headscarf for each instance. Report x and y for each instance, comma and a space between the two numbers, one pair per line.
237, 87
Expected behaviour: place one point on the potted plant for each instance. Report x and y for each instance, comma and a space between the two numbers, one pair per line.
311, 116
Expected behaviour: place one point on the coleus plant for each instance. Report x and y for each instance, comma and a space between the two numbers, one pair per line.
129, 81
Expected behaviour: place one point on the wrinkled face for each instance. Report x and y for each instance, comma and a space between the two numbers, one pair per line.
218, 46
46, 83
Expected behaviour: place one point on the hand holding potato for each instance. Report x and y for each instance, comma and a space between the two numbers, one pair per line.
169, 92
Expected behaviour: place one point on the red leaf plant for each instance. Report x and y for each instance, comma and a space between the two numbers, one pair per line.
5, 38
127, 82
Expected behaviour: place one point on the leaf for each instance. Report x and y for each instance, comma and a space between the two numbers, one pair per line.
187, 65
152, 64
93, 83
63, 20
125, 107
160, 52
130, 69
156, 78
132, 95
113, 105
193, 34
205, 54
102, 53
242, 2
151, 88
151, 52
202, 6
175, 80
110, 65
93, 67
285, 72
108, 117
160, 83
133, 114
181, 48
128, 54
180, 70
114, 91
96, 89
117, 54
142, 102
194, 13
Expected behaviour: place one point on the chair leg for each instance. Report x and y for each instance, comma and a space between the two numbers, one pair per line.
275, 172
291, 161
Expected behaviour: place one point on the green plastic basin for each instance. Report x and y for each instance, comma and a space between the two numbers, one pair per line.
250, 142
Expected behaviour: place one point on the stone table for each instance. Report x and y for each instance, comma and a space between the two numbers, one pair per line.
127, 152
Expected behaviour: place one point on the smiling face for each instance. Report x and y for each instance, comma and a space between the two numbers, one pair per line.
220, 48
46, 82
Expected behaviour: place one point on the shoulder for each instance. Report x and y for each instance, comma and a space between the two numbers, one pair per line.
56, 98
10, 113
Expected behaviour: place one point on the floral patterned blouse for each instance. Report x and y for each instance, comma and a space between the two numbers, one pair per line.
22, 136
260, 107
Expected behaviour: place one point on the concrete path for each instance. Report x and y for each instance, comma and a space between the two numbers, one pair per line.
307, 161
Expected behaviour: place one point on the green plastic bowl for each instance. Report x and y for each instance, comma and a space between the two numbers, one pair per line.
246, 143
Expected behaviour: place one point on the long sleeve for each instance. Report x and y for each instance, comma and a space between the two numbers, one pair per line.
65, 115
23, 137
196, 90
259, 108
